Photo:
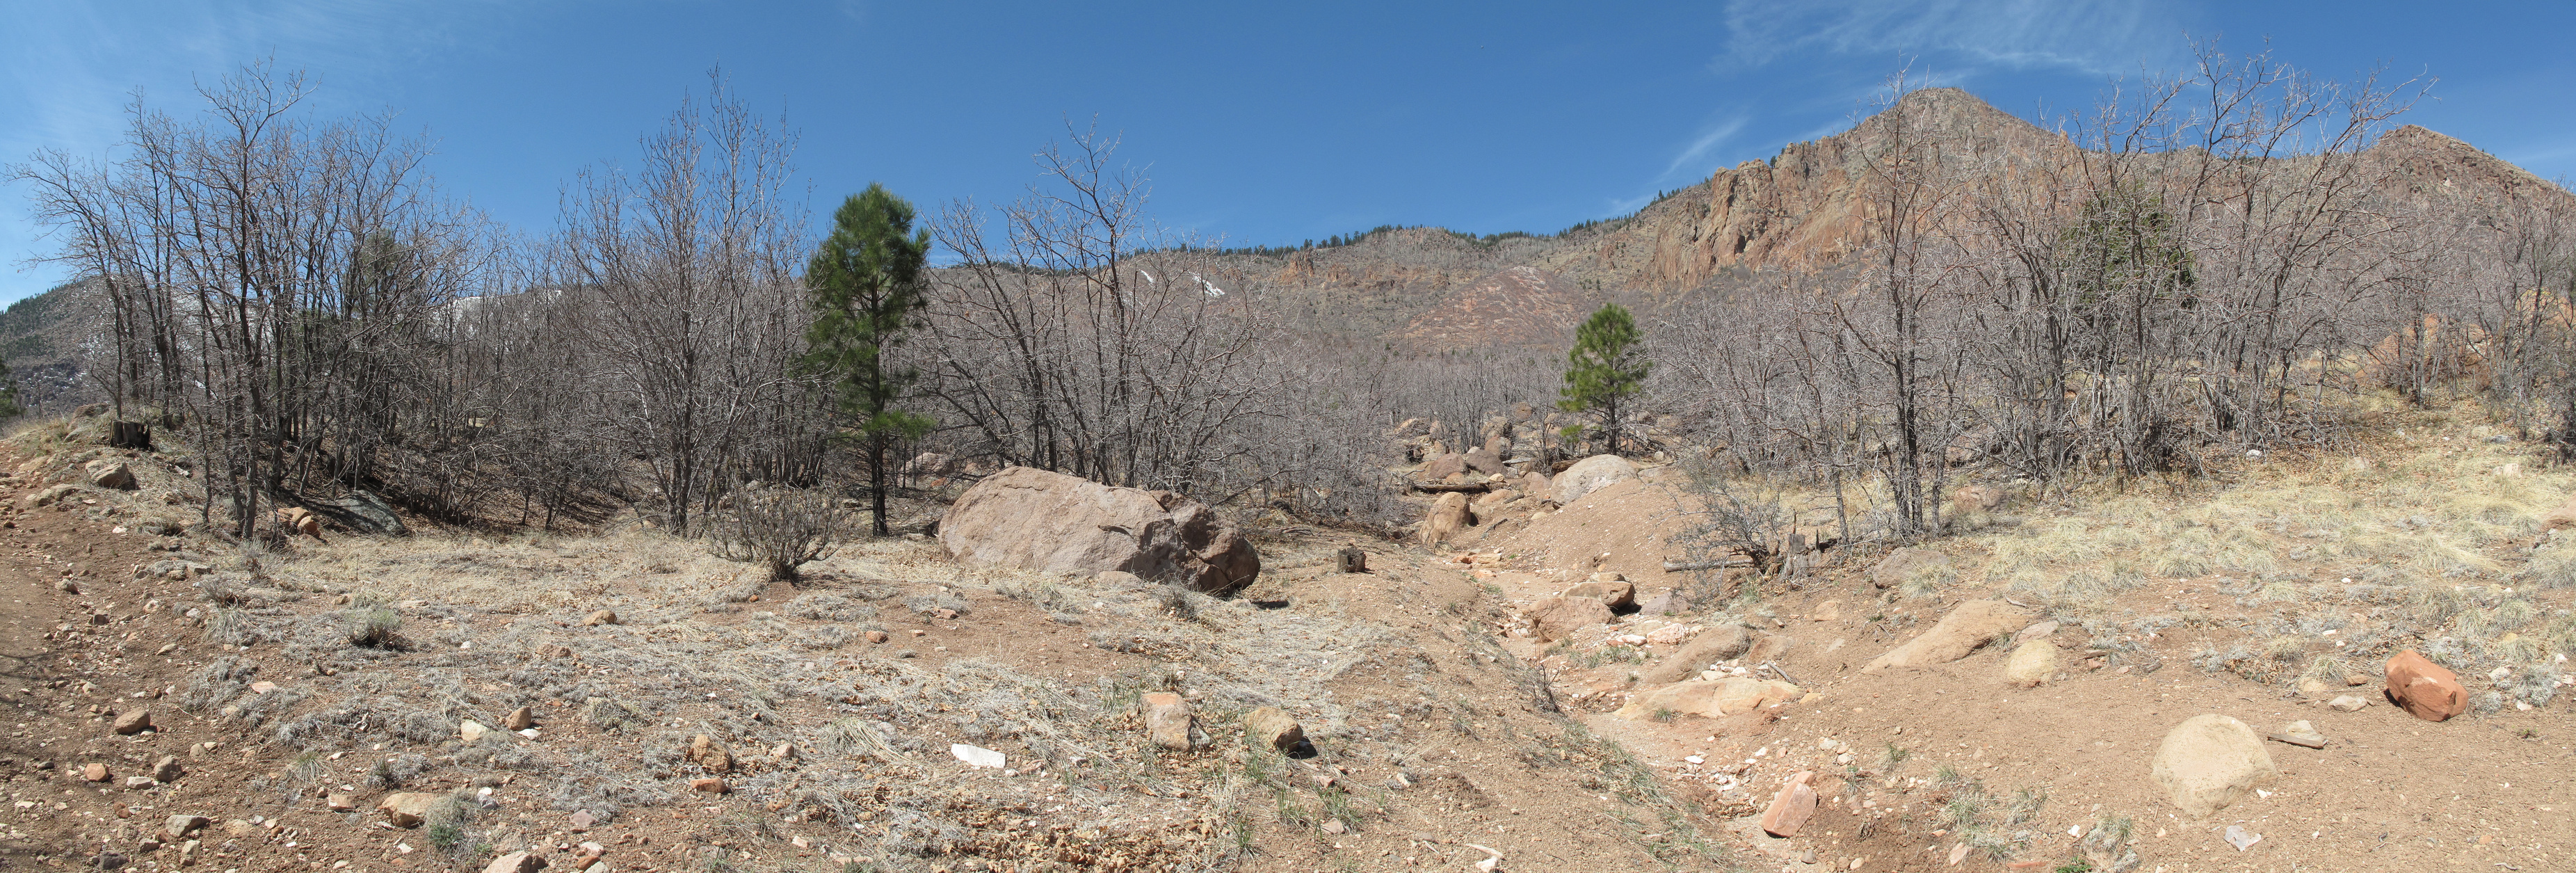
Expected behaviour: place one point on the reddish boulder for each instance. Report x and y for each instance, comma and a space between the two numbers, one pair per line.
1614, 591
1441, 467
1559, 617
1449, 515
1967, 628
1791, 807
2425, 689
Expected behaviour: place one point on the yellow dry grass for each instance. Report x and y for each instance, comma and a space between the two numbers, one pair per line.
2436, 509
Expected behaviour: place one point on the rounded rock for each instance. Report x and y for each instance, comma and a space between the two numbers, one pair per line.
2209, 761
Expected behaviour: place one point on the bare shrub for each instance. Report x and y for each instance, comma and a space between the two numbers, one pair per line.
780, 529
374, 627
1734, 515
609, 715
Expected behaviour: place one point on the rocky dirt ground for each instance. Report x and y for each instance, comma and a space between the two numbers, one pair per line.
683, 714
623, 701
2264, 599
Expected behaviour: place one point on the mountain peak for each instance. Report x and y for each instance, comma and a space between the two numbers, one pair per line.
2425, 162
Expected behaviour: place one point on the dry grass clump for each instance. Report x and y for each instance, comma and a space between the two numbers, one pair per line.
2194, 549
1055, 600
2077, 590
2430, 539
2049, 545
2329, 669
372, 625
646, 576
2553, 565
611, 715
1997, 826
859, 738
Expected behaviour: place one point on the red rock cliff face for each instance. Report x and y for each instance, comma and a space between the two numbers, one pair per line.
1808, 208
1811, 205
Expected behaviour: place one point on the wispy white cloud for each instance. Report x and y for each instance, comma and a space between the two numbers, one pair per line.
2092, 36
1693, 162
1628, 205
1698, 149
72, 69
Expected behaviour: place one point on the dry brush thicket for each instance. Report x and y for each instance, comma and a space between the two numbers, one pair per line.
292, 299
2201, 267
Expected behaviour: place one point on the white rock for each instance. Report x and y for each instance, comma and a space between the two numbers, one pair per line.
976, 756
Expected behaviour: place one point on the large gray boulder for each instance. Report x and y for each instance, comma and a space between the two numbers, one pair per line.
360, 511
1027, 517
1590, 475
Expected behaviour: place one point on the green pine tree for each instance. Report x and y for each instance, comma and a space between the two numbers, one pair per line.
864, 286
9, 407
1605, 368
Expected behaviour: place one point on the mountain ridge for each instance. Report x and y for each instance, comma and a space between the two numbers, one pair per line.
1804, 209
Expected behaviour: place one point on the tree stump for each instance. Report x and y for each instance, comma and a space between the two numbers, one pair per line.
1350, 560
129, 435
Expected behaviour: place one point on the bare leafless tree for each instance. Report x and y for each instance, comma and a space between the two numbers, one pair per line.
681, 274
1089, 341
267, 276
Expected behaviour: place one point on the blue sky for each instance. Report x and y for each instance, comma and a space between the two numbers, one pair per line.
1260, 124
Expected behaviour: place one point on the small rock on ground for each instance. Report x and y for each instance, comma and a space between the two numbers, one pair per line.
2424, 688
516, 862
1268, 726
407, 809
1790, 808
1167, 720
